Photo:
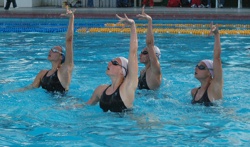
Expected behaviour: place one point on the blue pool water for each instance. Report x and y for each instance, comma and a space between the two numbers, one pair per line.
162, 118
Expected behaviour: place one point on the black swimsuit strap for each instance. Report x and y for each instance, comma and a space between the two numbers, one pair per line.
196, 92
203, 100
47, 73
52, 74
110, 86
106, 89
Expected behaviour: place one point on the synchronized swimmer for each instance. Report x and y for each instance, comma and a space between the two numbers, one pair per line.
58, 78
120, 94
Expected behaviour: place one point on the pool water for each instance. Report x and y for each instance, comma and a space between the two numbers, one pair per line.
162, 118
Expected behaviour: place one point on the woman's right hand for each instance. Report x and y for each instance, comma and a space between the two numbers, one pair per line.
69, 13
213, 29
143, 15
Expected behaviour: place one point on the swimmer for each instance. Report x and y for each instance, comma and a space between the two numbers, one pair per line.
58, 78
150, 77
119, 95
209, 73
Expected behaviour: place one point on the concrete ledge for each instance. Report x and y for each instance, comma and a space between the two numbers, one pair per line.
156, 13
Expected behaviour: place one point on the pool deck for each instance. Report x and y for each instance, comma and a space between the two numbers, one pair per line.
158, 12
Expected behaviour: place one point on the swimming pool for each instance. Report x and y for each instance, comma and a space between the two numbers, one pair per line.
162, 118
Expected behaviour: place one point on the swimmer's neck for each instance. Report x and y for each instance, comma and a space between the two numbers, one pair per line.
205, 83
147, 66
116, 83
55, 66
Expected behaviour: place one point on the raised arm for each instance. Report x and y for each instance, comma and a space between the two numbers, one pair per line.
69, 38
155, 65
133, 59
217, 82
65, 72
130, 83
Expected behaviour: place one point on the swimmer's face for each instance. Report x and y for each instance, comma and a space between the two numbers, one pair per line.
55, 53
144, 55
114, 67
201, 70
144, 52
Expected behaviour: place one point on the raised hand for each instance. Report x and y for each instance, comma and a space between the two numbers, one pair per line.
69, 13
126, 20
143, 15
213, 29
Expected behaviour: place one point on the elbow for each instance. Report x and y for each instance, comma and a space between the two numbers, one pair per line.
150, 42
91, 103
69, 38
134, 50
217, 59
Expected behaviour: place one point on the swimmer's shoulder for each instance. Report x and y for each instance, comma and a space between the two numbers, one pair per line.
193, 91
102, 87
43, 72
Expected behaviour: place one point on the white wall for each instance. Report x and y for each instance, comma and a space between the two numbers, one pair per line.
52, 2
1, 3
27, 3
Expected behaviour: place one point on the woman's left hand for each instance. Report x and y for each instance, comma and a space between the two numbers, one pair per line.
126, 20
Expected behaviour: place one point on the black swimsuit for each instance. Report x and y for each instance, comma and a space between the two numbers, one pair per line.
142, 82
203, 100
112, 102
52, 83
